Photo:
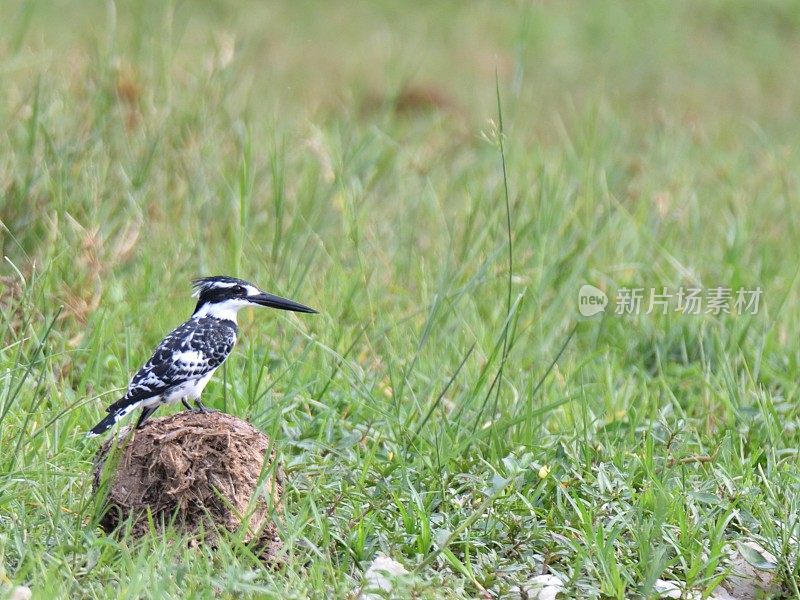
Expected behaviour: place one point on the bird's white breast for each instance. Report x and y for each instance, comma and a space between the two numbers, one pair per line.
190, 390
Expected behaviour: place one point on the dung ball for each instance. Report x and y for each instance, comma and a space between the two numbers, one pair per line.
197, 472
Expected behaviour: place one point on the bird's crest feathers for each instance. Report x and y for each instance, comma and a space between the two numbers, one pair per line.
205, 284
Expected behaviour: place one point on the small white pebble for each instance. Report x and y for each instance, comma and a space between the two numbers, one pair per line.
543, 587
377, 577
21, 592
667, 589
670, 589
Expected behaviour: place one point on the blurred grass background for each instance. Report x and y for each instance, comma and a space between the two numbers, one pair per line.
347, 155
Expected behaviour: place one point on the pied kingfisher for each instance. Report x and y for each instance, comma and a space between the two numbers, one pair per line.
186, 359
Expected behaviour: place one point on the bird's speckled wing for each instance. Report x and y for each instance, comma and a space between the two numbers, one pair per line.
191, 351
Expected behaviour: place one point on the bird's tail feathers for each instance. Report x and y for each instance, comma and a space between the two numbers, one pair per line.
114, 416
118, 405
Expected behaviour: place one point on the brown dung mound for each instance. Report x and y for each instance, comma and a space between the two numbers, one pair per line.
195, 471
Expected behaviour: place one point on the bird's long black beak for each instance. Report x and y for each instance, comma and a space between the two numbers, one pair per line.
264, 299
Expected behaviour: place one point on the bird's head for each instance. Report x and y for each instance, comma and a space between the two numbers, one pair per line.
222, 297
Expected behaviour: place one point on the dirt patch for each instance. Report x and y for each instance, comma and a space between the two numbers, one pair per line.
197, 472
412, 99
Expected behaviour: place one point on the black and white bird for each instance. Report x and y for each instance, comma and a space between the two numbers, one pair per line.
186, 359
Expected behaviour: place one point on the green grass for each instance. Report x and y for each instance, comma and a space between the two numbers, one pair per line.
350, 157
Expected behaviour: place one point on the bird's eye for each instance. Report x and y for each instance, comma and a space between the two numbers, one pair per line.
238, 290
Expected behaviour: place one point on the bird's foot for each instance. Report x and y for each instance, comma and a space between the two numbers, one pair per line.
202, 409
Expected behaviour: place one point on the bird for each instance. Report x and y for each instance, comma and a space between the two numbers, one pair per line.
186, 359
